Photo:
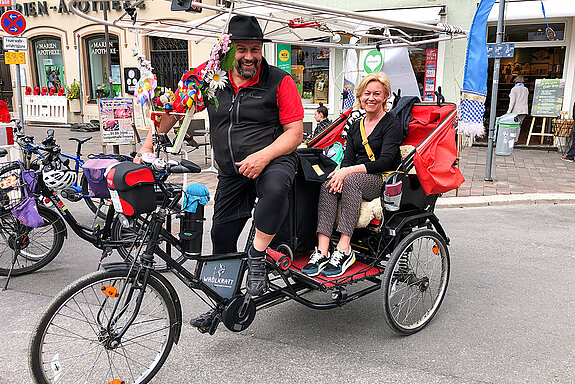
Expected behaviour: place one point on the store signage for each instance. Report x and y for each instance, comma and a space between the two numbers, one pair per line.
548, 97
373, 61
48, 49
14, 43
41, 8
13, 22
430, 73
15, 57
499, 50
99, 48
284, 57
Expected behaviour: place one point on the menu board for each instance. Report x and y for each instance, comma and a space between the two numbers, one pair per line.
116, 120
548, 97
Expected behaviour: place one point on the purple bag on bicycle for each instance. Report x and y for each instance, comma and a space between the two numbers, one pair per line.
26, 211
95, 170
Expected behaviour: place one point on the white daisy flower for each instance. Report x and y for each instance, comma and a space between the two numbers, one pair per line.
210, 93
218, 80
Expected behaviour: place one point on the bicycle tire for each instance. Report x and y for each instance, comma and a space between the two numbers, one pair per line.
412, 291
94, 202
121, 233
71, 343
39, 245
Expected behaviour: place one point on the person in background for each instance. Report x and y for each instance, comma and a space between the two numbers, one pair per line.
322, 121
518, 102
360, 175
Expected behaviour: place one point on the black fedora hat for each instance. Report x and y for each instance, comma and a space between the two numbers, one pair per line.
245, 28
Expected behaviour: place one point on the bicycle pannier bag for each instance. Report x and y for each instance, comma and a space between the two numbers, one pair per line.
132, 188
94, 170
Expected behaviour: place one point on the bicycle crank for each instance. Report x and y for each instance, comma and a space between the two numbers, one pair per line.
239, 313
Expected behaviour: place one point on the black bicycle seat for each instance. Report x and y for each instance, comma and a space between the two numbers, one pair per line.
3, 152
80, 140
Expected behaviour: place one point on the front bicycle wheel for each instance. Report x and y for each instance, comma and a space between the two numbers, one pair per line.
38, 246
169, 239
97, 205
74, 341
415, 281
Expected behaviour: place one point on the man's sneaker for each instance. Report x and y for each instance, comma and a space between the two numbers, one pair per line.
204, 320
316, 264
338, 263
568, 159
257, 283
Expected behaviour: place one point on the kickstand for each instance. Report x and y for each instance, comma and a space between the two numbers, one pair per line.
16, 254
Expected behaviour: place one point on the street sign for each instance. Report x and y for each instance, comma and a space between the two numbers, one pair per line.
14, 43
500, 50
13, 22
5, 3
15, 57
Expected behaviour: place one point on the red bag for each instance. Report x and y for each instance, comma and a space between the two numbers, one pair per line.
434, 160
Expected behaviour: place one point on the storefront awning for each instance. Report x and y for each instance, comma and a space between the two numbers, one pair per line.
527, 10
425, 15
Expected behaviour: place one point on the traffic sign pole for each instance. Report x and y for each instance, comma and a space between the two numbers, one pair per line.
20, 24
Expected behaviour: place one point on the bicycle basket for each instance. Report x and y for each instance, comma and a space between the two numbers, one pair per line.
12, 187
95, 172
132, 188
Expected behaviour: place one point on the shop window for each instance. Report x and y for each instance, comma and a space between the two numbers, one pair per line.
99, 79
310, 70
423, 59
527, 32
49, 62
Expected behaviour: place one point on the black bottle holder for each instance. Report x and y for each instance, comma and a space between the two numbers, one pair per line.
191, 232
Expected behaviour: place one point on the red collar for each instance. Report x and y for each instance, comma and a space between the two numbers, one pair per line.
252, 81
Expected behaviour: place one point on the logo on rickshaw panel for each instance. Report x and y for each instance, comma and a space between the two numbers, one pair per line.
373, 61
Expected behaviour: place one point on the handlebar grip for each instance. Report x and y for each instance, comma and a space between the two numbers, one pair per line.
180, 169
191, 166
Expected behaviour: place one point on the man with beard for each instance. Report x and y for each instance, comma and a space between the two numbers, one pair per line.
254, 133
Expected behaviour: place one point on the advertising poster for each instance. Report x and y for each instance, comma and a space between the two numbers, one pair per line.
430, 70
116, 120
284, 57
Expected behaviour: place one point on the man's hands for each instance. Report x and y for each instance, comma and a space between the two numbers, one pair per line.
254, 164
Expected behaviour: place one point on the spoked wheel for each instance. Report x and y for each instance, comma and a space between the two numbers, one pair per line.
97, 205
169, 240
38, 246
415, 281
75, 340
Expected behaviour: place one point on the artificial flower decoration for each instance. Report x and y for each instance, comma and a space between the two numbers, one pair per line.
199, 87
147, 84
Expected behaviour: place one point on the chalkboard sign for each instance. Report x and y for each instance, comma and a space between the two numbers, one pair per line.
548, 97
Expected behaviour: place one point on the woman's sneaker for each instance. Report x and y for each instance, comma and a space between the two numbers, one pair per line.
338, 263
316, 264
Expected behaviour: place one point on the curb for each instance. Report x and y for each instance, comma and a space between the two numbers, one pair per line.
485, 201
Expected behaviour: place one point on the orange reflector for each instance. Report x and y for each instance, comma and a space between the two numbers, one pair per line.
435, 249
117, 381
110, 292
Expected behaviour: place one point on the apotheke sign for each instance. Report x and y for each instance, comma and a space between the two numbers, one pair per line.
42, 8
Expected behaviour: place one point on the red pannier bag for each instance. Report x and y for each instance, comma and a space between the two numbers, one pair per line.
435, 157
132, 188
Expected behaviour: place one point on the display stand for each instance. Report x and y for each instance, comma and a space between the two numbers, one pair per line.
541, 134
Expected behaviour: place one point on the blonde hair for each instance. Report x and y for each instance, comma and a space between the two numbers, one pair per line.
381, 77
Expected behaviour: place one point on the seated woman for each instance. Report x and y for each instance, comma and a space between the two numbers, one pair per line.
359, 176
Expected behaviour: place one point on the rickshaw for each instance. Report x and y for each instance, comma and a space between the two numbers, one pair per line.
119, 324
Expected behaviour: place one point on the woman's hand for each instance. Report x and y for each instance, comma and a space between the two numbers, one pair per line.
335, 183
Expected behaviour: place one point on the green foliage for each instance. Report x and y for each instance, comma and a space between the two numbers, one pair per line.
73, 91
227, 63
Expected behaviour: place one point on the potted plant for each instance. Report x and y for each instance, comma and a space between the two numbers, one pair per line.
73, 95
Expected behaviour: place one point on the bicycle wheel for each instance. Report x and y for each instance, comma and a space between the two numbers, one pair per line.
38, 246
73, 343
169, 239
97, 205
415, 281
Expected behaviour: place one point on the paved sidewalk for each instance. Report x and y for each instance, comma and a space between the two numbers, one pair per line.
528, 176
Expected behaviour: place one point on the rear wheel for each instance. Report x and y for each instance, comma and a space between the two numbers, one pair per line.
38, 246
415, 281
74, 341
